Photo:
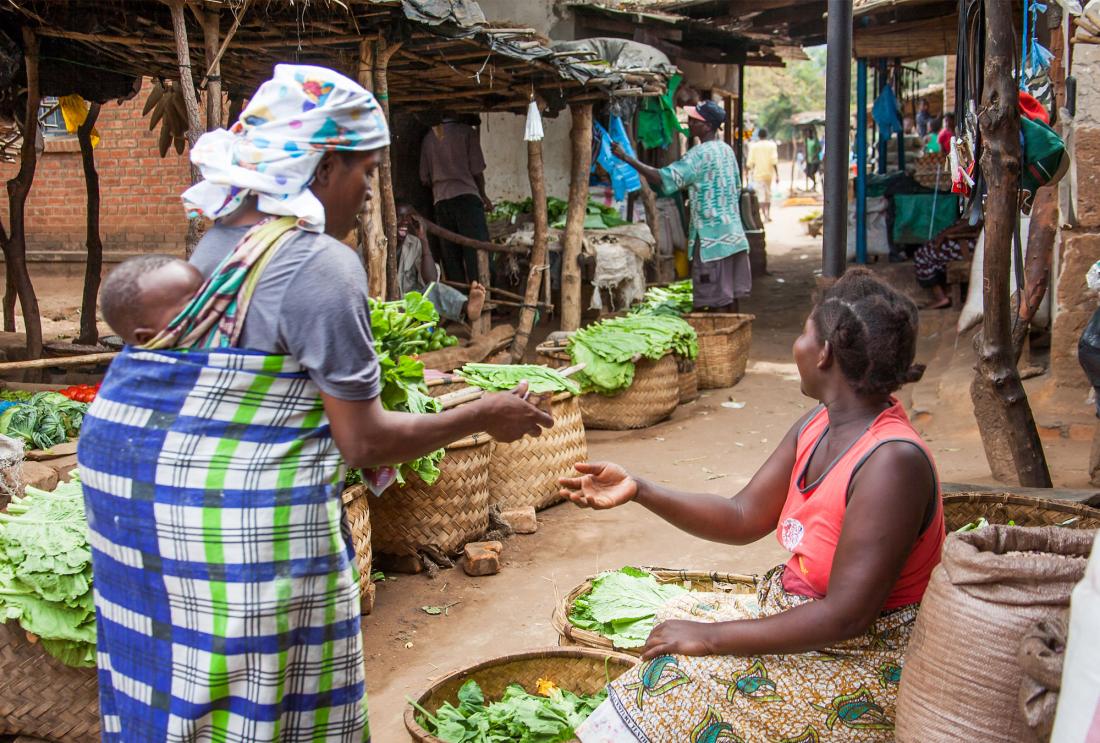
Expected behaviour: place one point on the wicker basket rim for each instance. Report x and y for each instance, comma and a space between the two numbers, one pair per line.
724, 331
572, 651
559, 619
720, 314
1023, 501
475, 439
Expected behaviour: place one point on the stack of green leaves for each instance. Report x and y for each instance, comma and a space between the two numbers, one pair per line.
622, 606
43, 420
675, 299
500, 377
597, 216
402, 329
519, 717
46, 571
609, 348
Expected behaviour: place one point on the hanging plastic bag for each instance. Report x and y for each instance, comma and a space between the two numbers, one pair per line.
624, 179
75, 111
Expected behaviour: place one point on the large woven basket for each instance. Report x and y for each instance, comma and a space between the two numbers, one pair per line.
525, 472
724, 341
445, 515
41, 697
688, 377
693, 580
651, 398
960, 509
357, 512
579, 670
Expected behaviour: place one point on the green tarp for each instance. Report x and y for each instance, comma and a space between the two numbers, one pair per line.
913, 212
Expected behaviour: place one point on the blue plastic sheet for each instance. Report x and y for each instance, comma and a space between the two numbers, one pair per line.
624, 179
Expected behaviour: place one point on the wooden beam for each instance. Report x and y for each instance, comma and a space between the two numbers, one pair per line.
581, 139
384, 51
370, 234
191, 103
538, 252
89, 332
211, 32
19, 188
1005, 421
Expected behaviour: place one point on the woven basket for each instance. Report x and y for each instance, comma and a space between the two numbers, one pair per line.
724, 340
693, 580
41, 697
446, 515
525, 472
960, 509
579, 670
651, 398
357, 513
688, 377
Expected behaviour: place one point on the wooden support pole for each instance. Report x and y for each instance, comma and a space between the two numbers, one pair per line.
1038, 259
191, 103
1005, 421
89, 332
384, 51
538, 253
581, 138
371, 237
19, 188
60, 362
211, 33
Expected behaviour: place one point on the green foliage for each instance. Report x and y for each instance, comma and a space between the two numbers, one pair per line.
608, 349
500, 377
597, 216
622, 606
675, 299
46, 571
519, 717
43, 420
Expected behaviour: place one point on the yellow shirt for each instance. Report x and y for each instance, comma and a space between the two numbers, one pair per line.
763, 158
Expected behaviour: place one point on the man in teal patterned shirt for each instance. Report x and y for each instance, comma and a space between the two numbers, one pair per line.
717, 245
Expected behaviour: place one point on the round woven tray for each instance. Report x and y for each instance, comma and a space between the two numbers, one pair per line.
688, 377
357, 512
960, 509
525, 472
651, 398
446, 515
579, 670
693, 580
724, 341
40, 696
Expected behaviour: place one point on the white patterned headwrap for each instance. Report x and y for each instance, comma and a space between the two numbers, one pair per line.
297, 116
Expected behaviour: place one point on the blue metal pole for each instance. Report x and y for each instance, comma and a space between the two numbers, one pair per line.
901, 134
861, 160
883, 138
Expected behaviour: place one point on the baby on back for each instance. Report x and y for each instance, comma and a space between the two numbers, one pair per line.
144, 294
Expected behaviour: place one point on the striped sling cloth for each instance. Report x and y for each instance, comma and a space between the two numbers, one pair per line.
227, 600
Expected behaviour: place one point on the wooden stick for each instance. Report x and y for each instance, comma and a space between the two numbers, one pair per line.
384, 51
187, 81
492, 290
61, 361
468, 242
538, 252
211, 29
371, 235
581, 138
459, 397
1005, 421
216, 62
89, 332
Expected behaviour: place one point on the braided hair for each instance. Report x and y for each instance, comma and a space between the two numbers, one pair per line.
872, 329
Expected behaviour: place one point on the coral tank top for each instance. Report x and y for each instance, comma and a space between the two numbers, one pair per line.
813, 515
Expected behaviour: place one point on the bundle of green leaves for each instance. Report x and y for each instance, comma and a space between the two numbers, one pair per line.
622, 606
597, 216
675, 299
609, 348
500, 377
43, 420
46, 571
408, 326
519, 717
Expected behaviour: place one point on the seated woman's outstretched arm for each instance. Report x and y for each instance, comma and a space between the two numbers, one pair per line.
744, 518
890, 500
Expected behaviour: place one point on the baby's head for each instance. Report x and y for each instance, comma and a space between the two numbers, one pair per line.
143, 294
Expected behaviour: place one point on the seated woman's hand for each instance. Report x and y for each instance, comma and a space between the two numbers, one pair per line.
679, 637
601, 485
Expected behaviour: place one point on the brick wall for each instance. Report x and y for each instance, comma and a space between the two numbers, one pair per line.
140, 208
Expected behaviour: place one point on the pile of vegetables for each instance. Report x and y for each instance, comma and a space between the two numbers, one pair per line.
42, 419
46, 571
622, 606
675, 299
500, 377
551, 716
597, 216
610, 348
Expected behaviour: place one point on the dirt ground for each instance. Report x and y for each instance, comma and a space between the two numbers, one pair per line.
704, 447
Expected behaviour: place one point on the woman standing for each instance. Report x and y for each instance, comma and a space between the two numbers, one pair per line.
852, 493
717, 246
213, 458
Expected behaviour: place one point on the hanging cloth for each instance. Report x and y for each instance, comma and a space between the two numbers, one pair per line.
532, 131
1035, 70
657, 120
885, 112
75, 111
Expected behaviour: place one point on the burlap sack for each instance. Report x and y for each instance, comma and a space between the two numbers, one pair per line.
1040, 657
962, 678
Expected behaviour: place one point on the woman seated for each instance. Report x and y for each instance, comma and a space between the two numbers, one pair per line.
853, 494
955, 243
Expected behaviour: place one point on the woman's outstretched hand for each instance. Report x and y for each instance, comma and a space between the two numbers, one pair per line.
679, 637
601, 485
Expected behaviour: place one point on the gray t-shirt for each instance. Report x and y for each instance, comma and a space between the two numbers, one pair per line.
311, 303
